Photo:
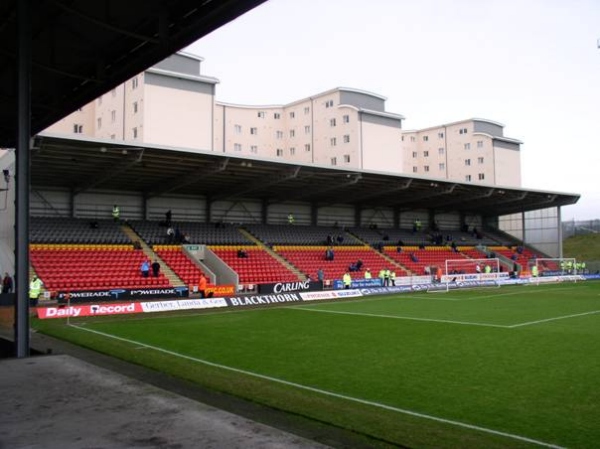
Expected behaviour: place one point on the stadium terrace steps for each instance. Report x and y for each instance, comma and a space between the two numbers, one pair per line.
311, 258
67, 267
287, 264
427, 257
258, 267
173, 278
184, 267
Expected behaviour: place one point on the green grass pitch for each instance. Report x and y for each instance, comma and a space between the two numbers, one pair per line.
493, 368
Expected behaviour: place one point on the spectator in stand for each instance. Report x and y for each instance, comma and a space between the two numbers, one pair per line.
168, 217
478, 269
359, 264
155, 268
340, 239
7, 284
116, 213
414, 258
329, 254
145, 268
393, 278
291, 218
242, 254
320, 275
454, 247
330, 239
368, 274
170, 234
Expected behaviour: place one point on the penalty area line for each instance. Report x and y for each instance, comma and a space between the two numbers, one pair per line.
374, 315
530, 323
327, 393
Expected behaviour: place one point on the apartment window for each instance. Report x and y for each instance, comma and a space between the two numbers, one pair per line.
346, 119
114, 92
415, 154
254, 131
135, 133
113, 136
292, 115
467, 162
279, 134
307, 129
468, 178
442, 166
113, 116
292, 151
135, 107
426, 153
441, 151
237, 147
253, 149
334, 161
99, 122
329, 104
134, 83
77, 128
279, 152
333, 141
440, 135
347, 158
261, 114
480, 160
332, 122
276, 115
402, 138
426, 168
480, 144
462, 131
238, 129
425, 138
292, 133
346, 138
307, 147
413, 139
306, 110
481, 176
415, 169
467, 146
99, 100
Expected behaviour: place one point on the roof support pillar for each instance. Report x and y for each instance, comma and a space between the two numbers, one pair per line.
314, 214
357, 216
264, 211
560, 231
23, 135
396, 218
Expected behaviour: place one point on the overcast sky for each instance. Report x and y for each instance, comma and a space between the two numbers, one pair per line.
532, 65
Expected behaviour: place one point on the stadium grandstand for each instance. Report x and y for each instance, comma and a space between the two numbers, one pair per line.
229, 214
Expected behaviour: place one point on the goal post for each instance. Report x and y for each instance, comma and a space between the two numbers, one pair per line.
472, 273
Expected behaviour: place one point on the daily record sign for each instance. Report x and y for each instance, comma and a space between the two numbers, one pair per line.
89, 310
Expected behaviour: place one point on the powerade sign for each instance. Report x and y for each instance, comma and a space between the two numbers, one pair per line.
286, 287
358, 283
121, 293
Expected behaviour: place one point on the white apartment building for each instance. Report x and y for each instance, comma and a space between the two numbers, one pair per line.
173, 104
473, 150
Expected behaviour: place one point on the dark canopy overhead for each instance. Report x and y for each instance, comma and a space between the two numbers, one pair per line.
82, 49
82, 165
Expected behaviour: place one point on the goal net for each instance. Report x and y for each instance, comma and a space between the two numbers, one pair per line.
471, 273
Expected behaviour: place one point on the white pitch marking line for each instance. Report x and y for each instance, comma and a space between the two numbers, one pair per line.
329, 393
529, 323
468, 323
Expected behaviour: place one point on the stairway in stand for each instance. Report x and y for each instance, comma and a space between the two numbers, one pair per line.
174, 280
